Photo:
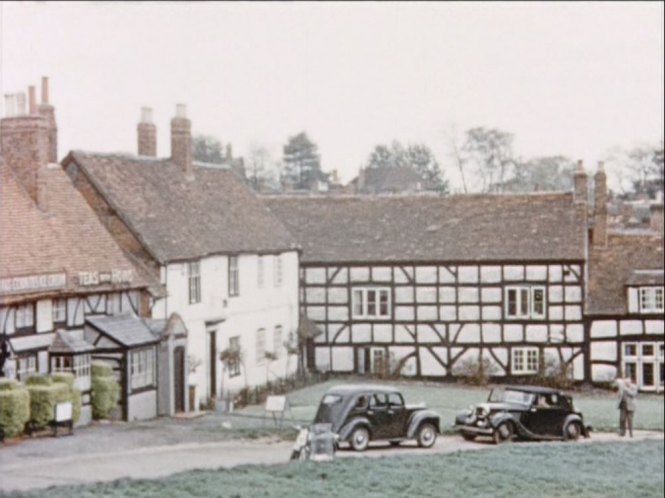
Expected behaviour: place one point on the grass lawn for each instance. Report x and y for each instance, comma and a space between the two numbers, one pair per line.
514, 470
599, 407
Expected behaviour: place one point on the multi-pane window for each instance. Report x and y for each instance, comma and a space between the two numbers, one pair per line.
260, 346
234, 364
371, 303
644, 362
277, 271
259, 272
525, 302
142, 368
651, 299
277, 340
26, 366
234, 277
25, 316
78, 364
194, 279
59, 310
525, 360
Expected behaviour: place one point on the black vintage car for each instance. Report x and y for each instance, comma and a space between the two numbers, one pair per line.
363, 413
526, 412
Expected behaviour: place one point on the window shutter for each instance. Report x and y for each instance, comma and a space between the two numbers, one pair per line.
633, 300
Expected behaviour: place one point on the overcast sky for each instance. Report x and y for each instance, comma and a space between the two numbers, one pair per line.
572, 79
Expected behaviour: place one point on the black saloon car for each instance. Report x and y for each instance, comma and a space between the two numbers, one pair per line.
525, 412
363, 413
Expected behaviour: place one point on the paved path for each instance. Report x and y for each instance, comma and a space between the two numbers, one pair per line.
23, 471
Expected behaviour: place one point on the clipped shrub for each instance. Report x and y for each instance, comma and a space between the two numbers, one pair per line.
475, 370
554, 373
74, 395
37, 380
105, 392
14, 407
43, 398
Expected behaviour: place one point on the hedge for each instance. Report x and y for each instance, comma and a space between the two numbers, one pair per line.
74, 395
14, 407
105, 391
43, 398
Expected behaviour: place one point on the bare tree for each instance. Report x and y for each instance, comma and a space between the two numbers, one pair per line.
455, 153
490, 151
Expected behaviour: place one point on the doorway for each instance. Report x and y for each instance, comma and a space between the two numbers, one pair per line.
212, 362
179, 378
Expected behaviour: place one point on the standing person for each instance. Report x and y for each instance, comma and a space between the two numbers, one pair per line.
626, 395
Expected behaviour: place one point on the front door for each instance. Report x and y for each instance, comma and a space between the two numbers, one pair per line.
179, 378
362, 359
379, 359
212, 361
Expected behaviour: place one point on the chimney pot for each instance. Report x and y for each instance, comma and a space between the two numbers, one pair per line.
580, 166
147, 134
581, 193
44, 90
32, 99
181, 111
10, 105
20, 104
146, 115
181, 141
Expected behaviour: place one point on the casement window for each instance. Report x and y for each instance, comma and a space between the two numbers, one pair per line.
59, 310
651, 299
25, 367
371, 302
277, 340
277, 271
260, 272
142, 368
194, 280
234, 277
25, 316
525, 302
78, 364
644, 363
234, 365
525, 360
260, 346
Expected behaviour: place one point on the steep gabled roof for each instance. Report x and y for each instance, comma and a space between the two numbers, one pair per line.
617, 265
126, 330
66, 237
464, 228
180, 219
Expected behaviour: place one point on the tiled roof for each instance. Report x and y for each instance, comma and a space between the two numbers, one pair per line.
127, 330
613, 267
395, 179
177, 219
646, 277
69, 342
525, 227
65, 238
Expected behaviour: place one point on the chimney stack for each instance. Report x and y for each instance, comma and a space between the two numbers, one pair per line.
24, 141
229, 152
581, 194
147, 134
656, 217
48, 112
600, 207
181, 141
33, 100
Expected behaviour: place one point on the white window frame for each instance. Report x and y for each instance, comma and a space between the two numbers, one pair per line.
234, 276
194, 282
260, 270
26, 366
79, 364
234, 367
519, 304
260, 346
59, 310
142, 368
650, 299
24, 318
525, 360
277, 340
277, 273
361, 307
638, 359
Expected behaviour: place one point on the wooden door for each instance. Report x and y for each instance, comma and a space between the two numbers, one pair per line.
213, 363
179, 378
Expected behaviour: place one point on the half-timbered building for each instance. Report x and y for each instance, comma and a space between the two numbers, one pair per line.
229, 267
59, 267
426, 285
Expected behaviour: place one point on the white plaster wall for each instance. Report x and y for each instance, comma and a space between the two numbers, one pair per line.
142, 406
44, 316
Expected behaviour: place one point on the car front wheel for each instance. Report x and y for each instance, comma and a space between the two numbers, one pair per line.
426, 436
503, 433
572, 431
360, 439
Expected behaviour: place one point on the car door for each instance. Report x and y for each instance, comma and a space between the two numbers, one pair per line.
378, 414
546, 415
399, 416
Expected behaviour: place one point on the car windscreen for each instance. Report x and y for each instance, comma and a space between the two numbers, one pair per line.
511, 396
330, 409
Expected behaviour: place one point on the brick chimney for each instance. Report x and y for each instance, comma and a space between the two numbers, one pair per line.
656, 217
24, 140
600, 207
48, 112
229, 152
581, 194
147, 134
181, 141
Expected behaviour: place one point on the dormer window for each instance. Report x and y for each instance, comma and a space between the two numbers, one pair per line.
651, 299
